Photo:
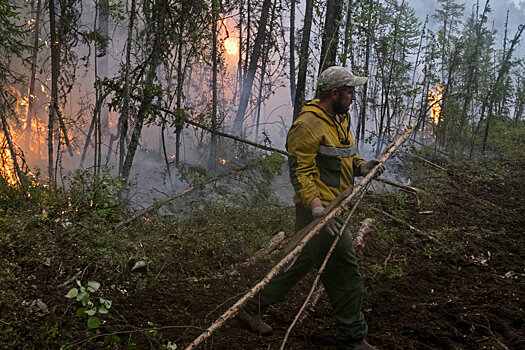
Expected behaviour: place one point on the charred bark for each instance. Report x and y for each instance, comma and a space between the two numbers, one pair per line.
252, 68
330, 39
303, 60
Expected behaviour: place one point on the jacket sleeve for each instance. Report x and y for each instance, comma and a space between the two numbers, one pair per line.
358, 160
303, 144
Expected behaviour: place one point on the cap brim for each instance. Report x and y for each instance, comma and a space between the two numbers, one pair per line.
357, 81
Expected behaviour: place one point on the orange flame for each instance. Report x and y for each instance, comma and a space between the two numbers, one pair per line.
222, 161
434, 98
7, 168
231, 46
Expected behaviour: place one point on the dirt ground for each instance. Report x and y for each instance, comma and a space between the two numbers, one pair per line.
467, 294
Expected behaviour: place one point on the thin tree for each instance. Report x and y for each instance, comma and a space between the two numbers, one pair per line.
303, 60
212, 160
292, 51
330, 38
252, 68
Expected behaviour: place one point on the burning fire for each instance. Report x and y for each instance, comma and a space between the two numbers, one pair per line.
222, 161
7, 167
226, 27
231, 46
434, 98
19, 132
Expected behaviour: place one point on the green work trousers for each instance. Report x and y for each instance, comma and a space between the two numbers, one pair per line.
341, 279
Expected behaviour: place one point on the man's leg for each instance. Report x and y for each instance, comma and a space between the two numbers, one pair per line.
343, 284
280, 284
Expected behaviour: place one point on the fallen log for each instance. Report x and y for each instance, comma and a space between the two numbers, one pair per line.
154, 206
366, 226
272, 245
429, 162
398, 184
302, 237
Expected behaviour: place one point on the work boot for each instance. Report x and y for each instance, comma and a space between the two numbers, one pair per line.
253, 323
363, 345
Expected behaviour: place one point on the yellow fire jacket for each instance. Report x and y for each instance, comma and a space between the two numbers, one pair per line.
322, 155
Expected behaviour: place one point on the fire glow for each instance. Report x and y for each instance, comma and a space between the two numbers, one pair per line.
30, 131
434, 99
7, 166
231, 46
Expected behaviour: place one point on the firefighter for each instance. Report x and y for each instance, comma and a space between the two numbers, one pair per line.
323, 163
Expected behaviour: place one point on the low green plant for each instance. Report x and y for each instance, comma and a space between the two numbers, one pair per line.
153, 332
90, 306
93, 195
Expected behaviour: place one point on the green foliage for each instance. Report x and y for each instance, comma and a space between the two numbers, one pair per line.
263, 171
12, 36
94, 196
508, 140
91, 307
193, 174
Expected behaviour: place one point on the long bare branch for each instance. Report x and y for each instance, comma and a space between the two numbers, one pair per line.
300, 240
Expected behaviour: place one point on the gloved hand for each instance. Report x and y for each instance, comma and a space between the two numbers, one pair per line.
332, 226
365, 168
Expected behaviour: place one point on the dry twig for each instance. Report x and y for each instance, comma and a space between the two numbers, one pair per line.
403, 222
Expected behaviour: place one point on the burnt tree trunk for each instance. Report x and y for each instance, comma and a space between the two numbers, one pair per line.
157, 25
303, 60
292, 50
330, 39
53, 106
32, 82
124, 115
252, 68
212, 159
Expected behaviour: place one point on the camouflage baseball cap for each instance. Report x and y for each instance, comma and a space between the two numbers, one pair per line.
336, 77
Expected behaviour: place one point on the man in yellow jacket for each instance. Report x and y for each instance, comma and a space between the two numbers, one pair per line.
323, 161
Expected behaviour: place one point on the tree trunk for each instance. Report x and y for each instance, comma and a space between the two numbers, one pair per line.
503, 71
266, 50
53, 106
10, 145
124, 116
179, 122
212, 159
303, 60
361, 124
472, 67
157, 26
292, 50
347, 45
252, 68
103, 58
32, 83
330, 34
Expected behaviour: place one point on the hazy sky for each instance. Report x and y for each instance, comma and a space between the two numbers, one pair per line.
497, 16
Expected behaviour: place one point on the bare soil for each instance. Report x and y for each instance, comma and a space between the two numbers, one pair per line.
467, 294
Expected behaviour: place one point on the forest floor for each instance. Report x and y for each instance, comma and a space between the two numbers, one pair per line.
466, 293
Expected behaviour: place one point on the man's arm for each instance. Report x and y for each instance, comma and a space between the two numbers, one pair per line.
303, 144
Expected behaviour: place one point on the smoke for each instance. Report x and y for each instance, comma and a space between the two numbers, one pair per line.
518, 3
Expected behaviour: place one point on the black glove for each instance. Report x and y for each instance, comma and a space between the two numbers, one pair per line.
366, 167
332, 226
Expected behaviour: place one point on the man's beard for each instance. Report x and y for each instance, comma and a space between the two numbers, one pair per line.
338, 107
